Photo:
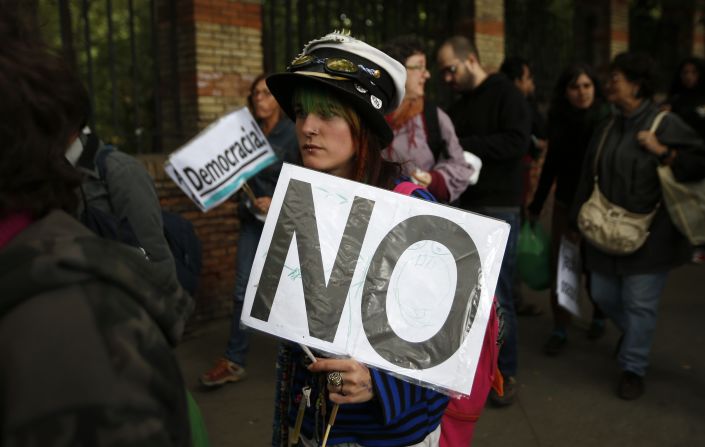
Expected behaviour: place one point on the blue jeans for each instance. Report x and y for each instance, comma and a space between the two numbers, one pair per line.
631, 301
508, 356
238, 343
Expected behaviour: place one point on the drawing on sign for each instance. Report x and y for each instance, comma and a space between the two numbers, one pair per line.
396, 282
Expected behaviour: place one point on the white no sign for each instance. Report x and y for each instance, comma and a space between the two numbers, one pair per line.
397, 283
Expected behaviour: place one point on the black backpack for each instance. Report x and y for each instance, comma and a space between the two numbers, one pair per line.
183, 242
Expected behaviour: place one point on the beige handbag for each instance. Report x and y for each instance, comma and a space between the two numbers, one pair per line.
685, 203
609, 227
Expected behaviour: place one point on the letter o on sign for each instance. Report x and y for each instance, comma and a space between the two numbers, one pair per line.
443, 344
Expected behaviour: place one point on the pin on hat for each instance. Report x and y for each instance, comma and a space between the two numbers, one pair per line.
370, 80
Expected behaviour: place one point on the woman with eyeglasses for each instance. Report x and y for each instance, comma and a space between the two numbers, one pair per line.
577, 108
337, 92
425, 144
622, 161
282, 137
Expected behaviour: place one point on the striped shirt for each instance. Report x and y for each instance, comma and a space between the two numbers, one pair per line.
400, 414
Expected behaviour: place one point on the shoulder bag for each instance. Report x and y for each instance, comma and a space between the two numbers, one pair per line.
685, 203
609, 227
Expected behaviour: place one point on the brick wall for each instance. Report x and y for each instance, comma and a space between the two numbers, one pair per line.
619, 27
489, 33
698, 48
219, 54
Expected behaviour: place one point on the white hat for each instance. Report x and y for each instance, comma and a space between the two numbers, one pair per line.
369, 79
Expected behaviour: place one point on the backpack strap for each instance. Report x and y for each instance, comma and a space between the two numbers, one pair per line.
657, 120
433, 130
406, 188
100, 156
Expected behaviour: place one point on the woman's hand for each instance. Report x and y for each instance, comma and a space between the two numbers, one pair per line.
357, 381
648, 139
262, 204
423, 178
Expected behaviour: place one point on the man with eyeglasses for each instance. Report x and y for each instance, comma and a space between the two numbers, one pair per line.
493, 121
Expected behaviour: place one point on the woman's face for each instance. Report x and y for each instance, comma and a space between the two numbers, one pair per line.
619, 89
689, 76
326, 143
581, 93
416, 76
264, 103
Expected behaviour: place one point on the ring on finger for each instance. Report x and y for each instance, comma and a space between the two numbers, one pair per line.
335, 379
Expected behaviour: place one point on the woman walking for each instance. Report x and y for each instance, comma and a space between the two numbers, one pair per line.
622, 161
576, 110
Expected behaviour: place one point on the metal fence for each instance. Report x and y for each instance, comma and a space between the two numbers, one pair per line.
114, 45
289, 24
128, 54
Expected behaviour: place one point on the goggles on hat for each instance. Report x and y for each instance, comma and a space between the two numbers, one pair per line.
336, 66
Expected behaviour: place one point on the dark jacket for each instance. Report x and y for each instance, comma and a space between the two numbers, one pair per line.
690, 106
86, 337
128, 192
283, 141
628, 178
493, 121
569, 134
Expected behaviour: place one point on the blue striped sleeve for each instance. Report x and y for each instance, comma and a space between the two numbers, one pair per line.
396, 397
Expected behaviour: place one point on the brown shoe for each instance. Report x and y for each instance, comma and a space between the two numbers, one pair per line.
223, 372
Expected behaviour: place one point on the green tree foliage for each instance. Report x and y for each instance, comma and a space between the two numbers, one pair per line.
122, 88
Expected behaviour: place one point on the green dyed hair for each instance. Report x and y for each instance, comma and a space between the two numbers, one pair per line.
325, 104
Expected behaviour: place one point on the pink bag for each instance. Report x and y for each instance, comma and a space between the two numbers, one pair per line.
458, 423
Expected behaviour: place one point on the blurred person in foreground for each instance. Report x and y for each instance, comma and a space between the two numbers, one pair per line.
86, 336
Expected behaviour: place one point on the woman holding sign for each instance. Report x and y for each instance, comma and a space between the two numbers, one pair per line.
253, 208
338, 91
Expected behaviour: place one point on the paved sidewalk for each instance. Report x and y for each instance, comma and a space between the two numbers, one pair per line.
564, 401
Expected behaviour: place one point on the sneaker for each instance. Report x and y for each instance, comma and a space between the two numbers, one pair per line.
631, 386
510, 391
223, 372
596, 329
554, 344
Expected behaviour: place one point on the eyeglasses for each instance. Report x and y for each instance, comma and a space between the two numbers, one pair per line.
419, 67
451, 70
334, 65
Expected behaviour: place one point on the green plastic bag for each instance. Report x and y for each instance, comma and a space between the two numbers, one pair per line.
199, 435
533, 256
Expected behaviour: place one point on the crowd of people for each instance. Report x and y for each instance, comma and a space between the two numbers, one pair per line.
111, 312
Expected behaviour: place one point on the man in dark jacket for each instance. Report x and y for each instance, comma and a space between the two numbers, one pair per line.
493, 121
